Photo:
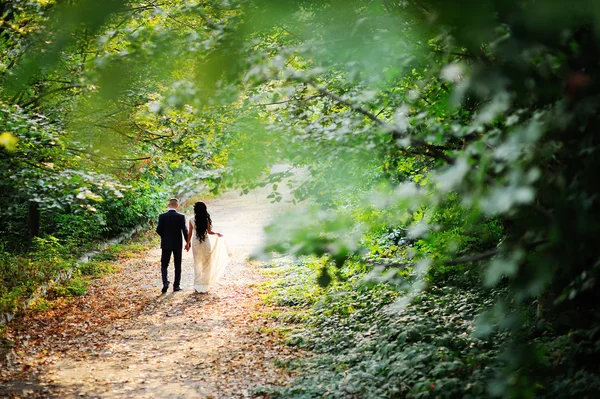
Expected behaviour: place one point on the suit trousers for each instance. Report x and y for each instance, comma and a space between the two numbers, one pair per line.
164, 265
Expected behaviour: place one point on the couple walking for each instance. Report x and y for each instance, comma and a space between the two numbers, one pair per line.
210, 258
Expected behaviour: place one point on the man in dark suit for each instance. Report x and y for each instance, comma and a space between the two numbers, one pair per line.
172, 231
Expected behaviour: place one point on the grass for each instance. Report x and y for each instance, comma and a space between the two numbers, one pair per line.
290, 284
99, 268
128, 249
75, 286
288, 292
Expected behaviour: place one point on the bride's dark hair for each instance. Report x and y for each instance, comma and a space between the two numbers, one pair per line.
201, 219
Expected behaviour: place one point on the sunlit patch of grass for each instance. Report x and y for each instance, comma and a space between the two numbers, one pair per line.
290, 284
75, 286
105, 262
255, 263
136, 246
95, 268
129, 249
132, 249
127, 254
104, 256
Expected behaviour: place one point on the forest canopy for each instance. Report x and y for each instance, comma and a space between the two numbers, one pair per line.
441, 144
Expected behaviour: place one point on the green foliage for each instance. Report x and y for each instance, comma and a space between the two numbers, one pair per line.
293, 287
42, 167
40, 305
368, 346
96, 268
21, 275
75, 286
11, 299
76, 229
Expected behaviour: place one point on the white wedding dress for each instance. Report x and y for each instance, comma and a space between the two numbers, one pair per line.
211, 256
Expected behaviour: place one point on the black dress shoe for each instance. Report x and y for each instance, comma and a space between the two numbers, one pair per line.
164, 288
176, 289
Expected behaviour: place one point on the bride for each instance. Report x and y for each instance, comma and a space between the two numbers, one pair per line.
210, 258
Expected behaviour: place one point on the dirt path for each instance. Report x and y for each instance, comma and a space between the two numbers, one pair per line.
124, 339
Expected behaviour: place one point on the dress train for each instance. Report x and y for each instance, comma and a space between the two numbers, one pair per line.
211, 257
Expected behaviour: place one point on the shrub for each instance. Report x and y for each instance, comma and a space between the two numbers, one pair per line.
75, 286
97, 268
21, 275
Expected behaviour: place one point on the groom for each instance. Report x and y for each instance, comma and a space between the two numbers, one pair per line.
171, 228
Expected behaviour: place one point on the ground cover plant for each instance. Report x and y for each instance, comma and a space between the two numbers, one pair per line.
364, 345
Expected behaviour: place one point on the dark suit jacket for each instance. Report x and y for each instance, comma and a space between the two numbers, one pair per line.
172, 229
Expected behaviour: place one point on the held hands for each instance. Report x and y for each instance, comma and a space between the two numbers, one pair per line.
187, 246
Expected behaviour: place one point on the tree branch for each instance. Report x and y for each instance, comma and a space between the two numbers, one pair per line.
425, 148
289, 32
38, 98
156, 6
463, 55
287, 101
15, 161
130, 159
143, 130
98, 157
